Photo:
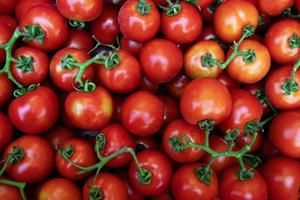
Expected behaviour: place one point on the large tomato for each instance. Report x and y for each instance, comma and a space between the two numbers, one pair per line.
79, 39
8, 192
6, 130
6, 89
274, 8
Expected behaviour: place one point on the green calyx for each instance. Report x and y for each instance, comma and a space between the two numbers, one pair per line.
143, 8
77, 24
260, 95
16, 155
252, 127
289, 87
95, 194
204, 174
24, 63
21, 91
245, 174
206, 125
144, 176
294, 41
33, 32
208, 60
173, 9
68, 62
253, 160
213, 7
194, 2
112, 60
67, 152
249, 56
231, 136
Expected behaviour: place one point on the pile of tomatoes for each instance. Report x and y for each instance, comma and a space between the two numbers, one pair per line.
150, 99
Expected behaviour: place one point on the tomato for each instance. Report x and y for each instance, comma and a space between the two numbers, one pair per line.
6, 89
232, 188
89, 110
105, 28
131, 46
136, 26
83, 155
208, 33
282, 176
58, 135
171, 109
80, 10
37, 162
231, 17
34, 74
124, 77
10, 21
205, 99
148, 85
8, 192
193, 65
7, 7
46, 17
142, 113
6, 131
59, 189
277, 41
79, 39
229, 82
164, 196
245, 140
187, 185
160, 168
35, 112
245, 108
143, 143
180, 128
285, 136
65, 78
254, 71
176, 86
23, 6
268, 150
202, 4
108, 185
298, 5
5, 34
274, 8
184, 27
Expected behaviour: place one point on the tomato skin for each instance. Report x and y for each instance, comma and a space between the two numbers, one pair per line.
143, 143
298, 5
131, 46
59, 189
7, 7
65, 78
282, 176
35, 112
227, 81
46, 17
123, 78
171, 109
37, 162
5, 34
6, 131
80, 10
10, 21
245, 140
161, 60
142, 113
192, 59
186, 185
135, 26
79, 39
185, 27
205, 98
6, 89
96, 112
176, 86
180, 128
274, 8
208, 33
8, 192
284, 133
160, 167
276, 40
59, 134
231, 17
232, 188
149, 86
110, 186
23, 6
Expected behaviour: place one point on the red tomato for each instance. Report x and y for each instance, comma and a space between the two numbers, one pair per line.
117, 102
142, 113
164, 196
10, 21
298, 5
143, 143
204, 3
58, 135
205, 99
158, 165
171, 109
5, 34
35, 112
161, 60
268, 150
7, 7
274, 8
131, 46
8, 192
6, 131
176, 86
229, 82
208, 33
245, 140
37, 162
149, 86
80, 10
79, 39
23, 6
6, 89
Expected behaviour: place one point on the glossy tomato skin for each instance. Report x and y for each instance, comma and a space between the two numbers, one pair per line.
277, 41
37, 162
35, 112
143, 143
203, 99
59, 134
232, 188
23, 5
185, 27
227, 81
10, 21
245, 140
180, 128
161, 60
105, 28
193, 66
79, 39
176, 86
231, 17
5, 34
186, 184
96, 112
135, 26
171, 109
8, 192
124, 77
6, 89
65, 78
131, 46
7, 7
282, 176
159, 166
6, 130
149, 86
142, 113
59, 189
80, 10
109, 185
274, 8
284, 133
46, 17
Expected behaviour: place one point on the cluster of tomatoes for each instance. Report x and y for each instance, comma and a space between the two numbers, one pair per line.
150, 99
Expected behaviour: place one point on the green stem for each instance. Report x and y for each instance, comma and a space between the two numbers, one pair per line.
19, 185
290, 86
288, 13
143, 8
173, 9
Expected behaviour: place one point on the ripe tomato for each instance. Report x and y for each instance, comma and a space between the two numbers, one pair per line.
180, 128
149, 86
208, 33
79, 39
135, 25
229, 82
6, 130
245, 140
35, 112
7, 7
143, 143
202, 4
164, 196
142, 113
205, 99
5, 34
8, 192
23, 6
171, 109
193, 65
37, 162
80, 10
282, 176
131, 46
274, 8
184, 27
176, 86
10, 21
158, 165
6, 89
59, 189
161, 60
46, 17
231, 17
298, 5
268, 150
58, 135
89, 110
187, 185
